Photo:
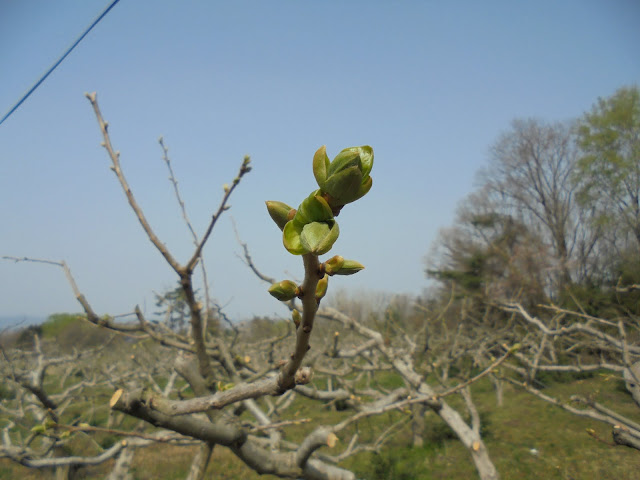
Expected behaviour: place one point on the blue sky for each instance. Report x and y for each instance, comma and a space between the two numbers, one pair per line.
430, 85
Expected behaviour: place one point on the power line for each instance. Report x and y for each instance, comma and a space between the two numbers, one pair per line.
55, 65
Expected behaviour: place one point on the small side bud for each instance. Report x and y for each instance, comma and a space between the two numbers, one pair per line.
284, 291
321, 288
349, 267
333, 265
297, 318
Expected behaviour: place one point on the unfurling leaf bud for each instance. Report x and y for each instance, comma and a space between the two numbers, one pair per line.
291, 238
320, 165
284, 291
279, 212
349, 267
297, 318
312, 228
314, 208
321, 288
346, 178
319, 237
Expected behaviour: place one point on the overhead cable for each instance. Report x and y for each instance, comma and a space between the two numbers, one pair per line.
53, 67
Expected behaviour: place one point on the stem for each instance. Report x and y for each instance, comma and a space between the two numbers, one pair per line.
303, 333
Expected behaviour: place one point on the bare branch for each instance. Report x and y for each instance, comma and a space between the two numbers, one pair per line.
244, 169
115, 161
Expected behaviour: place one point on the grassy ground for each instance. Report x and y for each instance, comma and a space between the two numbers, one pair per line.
564, 450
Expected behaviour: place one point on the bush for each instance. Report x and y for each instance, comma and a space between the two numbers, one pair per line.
71, 331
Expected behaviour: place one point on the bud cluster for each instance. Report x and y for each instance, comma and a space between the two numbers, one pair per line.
312, 227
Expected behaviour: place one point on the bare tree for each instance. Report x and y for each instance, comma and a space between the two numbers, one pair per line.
530, 172
569, 341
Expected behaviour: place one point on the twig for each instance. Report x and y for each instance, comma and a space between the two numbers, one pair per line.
91, 314
89, 428
249, 261
115, 160
244, 169
261, 428
486, 371
187, 221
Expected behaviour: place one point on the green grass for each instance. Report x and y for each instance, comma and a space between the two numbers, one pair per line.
566, 451
524, 422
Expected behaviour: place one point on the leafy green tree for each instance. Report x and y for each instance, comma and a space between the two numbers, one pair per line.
608, 172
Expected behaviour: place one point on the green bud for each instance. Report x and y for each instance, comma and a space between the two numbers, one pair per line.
346, 178
364, 189
349, 267
284, 291
319, 237
347, 158
320, 165
344, 185
366, 158
332, 265
321, 288
279, 212
314, 208
291, 238
297, 317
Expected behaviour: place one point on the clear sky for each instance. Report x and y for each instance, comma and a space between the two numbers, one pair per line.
430, 85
